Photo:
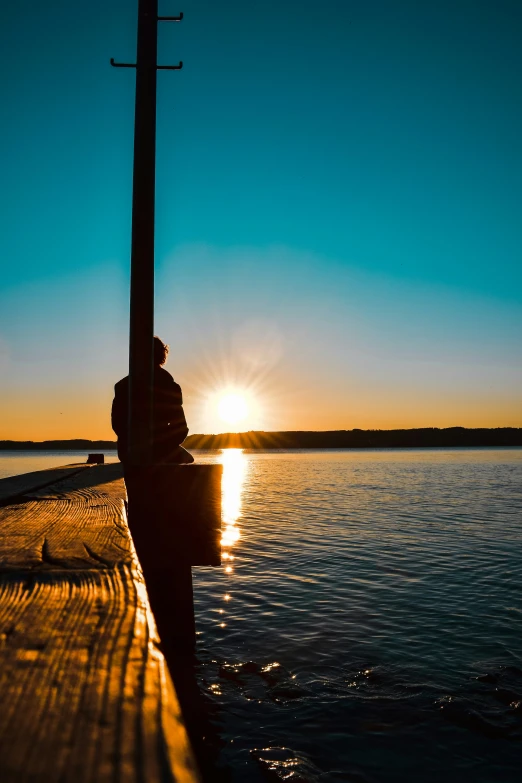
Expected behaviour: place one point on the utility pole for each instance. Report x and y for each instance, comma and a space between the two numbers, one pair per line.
141, 367
164, 499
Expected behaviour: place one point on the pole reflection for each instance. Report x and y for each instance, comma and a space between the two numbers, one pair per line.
234, 468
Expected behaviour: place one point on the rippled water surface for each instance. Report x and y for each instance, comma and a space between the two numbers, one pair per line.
367, 621
366, 624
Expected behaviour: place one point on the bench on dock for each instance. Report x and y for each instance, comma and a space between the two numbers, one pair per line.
85, 691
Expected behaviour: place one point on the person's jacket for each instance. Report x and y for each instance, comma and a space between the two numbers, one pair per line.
169, 424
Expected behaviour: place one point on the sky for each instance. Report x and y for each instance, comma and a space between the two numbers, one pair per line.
338, 233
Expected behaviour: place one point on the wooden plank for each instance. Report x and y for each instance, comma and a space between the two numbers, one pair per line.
78, 522
29, 482
85, 692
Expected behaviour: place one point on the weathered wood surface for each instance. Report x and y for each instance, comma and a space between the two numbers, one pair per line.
29, 482
84, 689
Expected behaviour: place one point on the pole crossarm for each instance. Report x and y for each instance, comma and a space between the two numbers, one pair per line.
158, 67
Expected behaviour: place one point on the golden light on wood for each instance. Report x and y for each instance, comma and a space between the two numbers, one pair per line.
85, 687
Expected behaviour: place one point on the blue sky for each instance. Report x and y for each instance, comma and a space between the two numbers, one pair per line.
338, 194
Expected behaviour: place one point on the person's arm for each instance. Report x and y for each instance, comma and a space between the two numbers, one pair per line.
119, 412
177, 421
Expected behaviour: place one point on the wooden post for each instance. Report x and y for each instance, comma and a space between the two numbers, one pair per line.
141, 368
161, 500
95, 459
175, 521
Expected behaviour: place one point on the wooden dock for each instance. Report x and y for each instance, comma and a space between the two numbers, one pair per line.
85, 691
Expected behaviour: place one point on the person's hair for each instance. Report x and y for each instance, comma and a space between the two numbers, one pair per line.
161, 351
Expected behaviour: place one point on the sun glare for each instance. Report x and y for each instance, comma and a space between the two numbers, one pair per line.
232, 408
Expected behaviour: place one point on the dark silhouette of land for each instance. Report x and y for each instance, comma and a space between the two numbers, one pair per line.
427, 437
76, 444
357, 439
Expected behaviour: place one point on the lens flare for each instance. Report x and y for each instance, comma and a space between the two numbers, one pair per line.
233, 408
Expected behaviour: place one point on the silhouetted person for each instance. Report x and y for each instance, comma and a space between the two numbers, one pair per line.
169, 423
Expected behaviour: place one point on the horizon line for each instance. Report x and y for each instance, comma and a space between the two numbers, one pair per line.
355, 430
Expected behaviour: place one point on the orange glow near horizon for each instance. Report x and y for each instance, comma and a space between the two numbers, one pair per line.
66, 411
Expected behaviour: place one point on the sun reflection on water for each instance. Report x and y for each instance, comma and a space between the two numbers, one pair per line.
234, 466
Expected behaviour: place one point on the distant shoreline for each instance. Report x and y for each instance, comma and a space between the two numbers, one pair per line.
428, 437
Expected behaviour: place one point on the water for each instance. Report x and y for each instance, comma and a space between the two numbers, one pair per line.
366, 624
371, 620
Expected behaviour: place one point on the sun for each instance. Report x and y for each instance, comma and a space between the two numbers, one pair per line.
232, 408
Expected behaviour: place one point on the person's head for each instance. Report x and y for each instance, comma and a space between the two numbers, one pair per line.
161, 351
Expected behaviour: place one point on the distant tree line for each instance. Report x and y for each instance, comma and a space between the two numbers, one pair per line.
78, 444
360, 439
428, 437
